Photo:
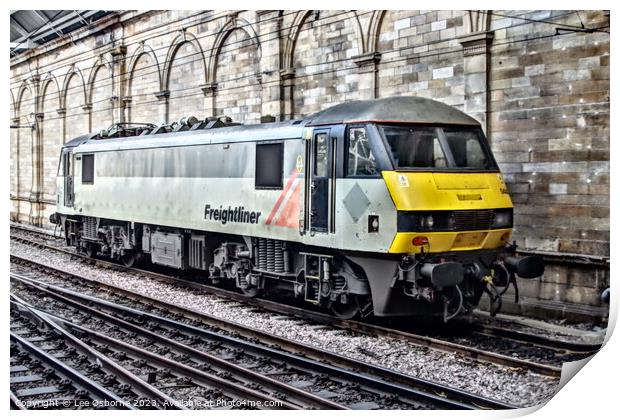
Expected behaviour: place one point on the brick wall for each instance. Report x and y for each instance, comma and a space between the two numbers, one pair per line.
537, 82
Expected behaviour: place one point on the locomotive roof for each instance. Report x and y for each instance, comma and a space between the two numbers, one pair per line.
79, 140
400, 109
397, 109
257, 132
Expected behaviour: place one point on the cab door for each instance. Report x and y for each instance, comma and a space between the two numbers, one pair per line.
68, 172
60, 181
320, 185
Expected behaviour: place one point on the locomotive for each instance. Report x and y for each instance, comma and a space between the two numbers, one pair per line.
385, 207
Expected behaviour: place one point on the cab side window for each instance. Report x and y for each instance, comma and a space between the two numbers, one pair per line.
269, 165
61, 165
88, 169
320, 155
361, 161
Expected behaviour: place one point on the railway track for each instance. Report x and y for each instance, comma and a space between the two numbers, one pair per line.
51, 369
478, 341
344, 387
40, 381
169, 350
180, 384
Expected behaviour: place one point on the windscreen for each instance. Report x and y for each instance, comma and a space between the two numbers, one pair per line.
420, 147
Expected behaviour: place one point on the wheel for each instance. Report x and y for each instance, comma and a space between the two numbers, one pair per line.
348, 310
67, 235
247, 288
91, 250
250, 291
129, 259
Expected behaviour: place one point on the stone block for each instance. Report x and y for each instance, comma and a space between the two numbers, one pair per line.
388, 36
520, 82
534, 70
589, 62
557, 188
511, 167
458, 89
408, 32
402, 24
445, 14
418, 86
475, 64
499, 85
572, 75
437, 26
419, 20
500, 23
582, 295
542, 244
551, 291
475, 83
529, 288
443, 72
568, 41
431, 37
449, 33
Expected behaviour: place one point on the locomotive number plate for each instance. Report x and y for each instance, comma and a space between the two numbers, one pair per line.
469, 240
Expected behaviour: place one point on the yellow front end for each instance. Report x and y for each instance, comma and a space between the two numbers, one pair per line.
437, 191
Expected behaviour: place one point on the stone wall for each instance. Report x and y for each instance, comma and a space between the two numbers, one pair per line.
143, 84
52, 139
436, 68
537, 81
101, 98
238, 93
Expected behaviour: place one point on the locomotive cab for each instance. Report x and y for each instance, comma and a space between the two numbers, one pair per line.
65, 187
451, 215
454, 214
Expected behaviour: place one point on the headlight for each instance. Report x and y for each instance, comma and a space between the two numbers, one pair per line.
502, 219
412, 221
427, 222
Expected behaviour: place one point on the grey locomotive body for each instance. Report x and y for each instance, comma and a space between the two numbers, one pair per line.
317, 206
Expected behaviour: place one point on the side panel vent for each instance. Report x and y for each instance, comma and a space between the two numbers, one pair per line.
90, 228
197, 258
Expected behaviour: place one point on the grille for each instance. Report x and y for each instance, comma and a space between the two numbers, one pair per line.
473, 219
90, 228
197, 252
270, 256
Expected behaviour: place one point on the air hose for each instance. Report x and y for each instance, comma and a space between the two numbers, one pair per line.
446, 303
